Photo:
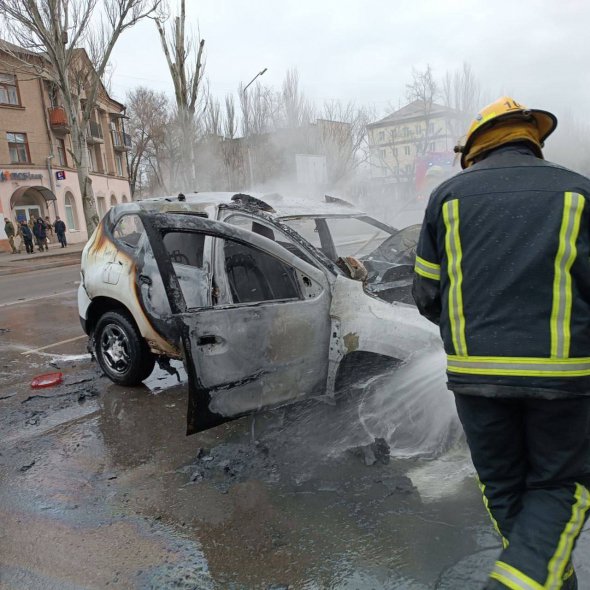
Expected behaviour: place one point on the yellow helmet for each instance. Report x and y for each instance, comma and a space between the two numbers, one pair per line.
503, 110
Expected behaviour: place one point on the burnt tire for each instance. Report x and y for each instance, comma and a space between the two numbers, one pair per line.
120, 349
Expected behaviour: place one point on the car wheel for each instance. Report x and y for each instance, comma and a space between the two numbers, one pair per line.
121, 351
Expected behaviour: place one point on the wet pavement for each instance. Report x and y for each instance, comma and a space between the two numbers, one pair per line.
99, 487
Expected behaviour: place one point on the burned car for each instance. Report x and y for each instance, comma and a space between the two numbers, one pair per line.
265, 299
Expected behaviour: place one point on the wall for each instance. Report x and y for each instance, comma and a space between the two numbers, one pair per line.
30, 117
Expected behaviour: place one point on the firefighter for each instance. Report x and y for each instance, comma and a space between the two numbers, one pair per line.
503, 267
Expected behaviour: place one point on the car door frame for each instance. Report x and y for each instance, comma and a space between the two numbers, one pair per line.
200, 417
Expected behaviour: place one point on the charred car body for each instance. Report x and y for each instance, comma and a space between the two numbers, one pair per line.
255, 294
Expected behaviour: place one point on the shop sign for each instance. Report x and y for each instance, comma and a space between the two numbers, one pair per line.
60, 174
7, 175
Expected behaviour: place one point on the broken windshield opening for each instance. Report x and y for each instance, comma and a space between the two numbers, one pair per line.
355, 237
387, 254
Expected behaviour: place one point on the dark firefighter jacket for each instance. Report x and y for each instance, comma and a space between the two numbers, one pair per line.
503, 266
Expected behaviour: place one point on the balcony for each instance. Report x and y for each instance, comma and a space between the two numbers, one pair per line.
94, 133
58, 120
121, 141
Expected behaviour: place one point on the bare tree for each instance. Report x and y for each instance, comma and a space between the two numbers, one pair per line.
343, 137
424, 89
212, 121
184, 54
57, 29
296, 109
462, 92
148, 113
259, 107
229, 121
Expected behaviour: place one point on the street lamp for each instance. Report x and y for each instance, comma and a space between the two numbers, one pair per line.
260, 73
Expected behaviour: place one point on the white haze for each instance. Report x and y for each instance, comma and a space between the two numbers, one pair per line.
365, 52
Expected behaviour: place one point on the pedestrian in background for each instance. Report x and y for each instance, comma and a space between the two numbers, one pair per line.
60, 232
48, 229
10, 234
503, 266
18, 240
27, 236
40, 234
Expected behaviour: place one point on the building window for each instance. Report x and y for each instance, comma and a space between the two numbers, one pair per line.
394, 151
124, 199
91, 160
418, 129
18, 148
101, 206
71, 216
8, 90
382, 154
119, 164
98, 161
61, 152
381, 135
407, 150
113, 201
405, 132
430, 128
432, 146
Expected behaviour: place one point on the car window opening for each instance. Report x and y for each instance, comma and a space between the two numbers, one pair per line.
263, 229
255, 276
129, 230
185, 248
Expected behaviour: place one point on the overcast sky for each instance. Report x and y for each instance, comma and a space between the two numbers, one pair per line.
537, 50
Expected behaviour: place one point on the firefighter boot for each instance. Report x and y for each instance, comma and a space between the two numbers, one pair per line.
570, 580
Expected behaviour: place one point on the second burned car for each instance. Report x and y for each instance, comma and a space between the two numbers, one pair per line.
266, 300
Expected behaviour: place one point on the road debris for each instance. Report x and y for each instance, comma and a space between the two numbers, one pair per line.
375, 452
47, 380
27, 466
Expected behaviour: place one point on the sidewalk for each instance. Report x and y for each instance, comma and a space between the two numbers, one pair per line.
55, 257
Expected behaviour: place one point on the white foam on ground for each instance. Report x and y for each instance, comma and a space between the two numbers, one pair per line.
411, 408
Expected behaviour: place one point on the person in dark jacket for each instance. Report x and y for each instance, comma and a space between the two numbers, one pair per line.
40, 234
10, 233
503, 267
60, 232
48, 228
27, 235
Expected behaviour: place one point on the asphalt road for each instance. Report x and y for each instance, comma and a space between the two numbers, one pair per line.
100, 487
40, 284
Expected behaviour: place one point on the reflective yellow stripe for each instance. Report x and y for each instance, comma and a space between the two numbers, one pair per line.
427, 269
427, 264
513, 578
561, 310
482, 487
519, 366
454, 258
570, 533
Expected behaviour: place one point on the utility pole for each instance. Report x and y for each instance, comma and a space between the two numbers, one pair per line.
260, 73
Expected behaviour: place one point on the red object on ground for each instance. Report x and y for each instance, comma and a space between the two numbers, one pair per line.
47, 380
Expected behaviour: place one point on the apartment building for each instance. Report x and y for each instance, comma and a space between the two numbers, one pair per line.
400, 142
37, 172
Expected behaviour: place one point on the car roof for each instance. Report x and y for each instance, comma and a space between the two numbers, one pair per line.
275, 204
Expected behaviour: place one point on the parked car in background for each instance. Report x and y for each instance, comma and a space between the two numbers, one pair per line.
265, 299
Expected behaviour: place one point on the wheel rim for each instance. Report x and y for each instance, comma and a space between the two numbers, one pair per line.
114, 344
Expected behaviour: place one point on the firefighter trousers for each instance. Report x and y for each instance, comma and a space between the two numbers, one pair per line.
532, 457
